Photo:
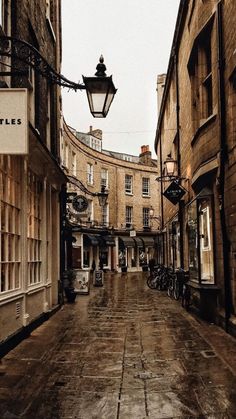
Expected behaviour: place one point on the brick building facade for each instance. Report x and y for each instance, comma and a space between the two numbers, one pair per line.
30, 184
196, 128
120, 233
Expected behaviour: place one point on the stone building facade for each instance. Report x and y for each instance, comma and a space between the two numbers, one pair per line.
120, 233
196, 128
30, 184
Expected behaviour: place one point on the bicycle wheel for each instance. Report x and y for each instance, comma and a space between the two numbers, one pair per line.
151, 282
170, 289
186, 297
176, 289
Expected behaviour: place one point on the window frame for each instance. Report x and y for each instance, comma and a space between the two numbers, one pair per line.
90, 174
128, 184
104, 179
146, 188
105, 215
196, 205
146, 217
34, 230
129, 216
10, 226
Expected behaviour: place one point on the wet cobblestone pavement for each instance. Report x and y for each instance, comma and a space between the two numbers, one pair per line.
122, 352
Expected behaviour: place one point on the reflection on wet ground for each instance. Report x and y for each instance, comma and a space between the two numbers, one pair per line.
122, 352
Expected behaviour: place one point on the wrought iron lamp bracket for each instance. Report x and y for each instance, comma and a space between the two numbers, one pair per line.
29, 55
169, 178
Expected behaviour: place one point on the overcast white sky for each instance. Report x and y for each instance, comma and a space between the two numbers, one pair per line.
135, 38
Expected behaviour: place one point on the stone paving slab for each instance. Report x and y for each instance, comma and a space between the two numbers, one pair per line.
122, 352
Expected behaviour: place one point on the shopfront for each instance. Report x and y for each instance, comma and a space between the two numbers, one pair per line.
126, 252
200, 226
200, 239
174, 255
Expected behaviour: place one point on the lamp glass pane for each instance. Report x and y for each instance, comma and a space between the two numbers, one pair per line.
97, 102
110, 97
170, 167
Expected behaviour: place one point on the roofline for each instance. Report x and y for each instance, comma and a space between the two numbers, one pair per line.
183, 7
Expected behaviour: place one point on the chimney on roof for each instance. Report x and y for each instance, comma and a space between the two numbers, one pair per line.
95, 132
145, 157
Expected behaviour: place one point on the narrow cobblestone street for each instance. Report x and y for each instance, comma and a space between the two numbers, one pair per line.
122, 352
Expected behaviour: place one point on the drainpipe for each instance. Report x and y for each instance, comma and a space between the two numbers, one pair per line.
162, 204
179, 160
223, 161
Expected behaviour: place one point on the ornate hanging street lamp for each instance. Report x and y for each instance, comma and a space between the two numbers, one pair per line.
100, 89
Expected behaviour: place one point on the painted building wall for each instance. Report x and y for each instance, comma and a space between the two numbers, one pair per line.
30, 185
194, 73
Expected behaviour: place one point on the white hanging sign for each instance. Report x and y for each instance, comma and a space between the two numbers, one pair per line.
13, 121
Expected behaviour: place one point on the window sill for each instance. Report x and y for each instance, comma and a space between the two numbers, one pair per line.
129, 193
11, 296
203, 287
204, 124
146, 196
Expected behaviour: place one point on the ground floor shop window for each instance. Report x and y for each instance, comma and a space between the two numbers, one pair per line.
206, 241
34, 228
176, 244
122, 257
173, 243
200, 237
86, 263
142, 257
10, 225
103, 257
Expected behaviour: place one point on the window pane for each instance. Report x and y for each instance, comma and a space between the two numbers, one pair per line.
146, 217
193, 241
10, 223
146, 186
128, 184
206, 245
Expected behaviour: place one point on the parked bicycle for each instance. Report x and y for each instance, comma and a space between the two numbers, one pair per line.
173, 290
180, 288
153, 278
159, 278
175, 282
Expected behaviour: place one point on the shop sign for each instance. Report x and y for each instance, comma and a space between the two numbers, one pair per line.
132, 233
13, 121
174, 192
98, 278
80, 203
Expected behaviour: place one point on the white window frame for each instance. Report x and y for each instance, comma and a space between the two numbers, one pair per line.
129, 184
146, 186
10, 226
34, 230
90, 174
128, 216
104, 178
73, 163
105, 215
146, 217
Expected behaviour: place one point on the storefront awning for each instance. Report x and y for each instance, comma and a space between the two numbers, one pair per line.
126, 241
138, 242
109, 240
148, 241
91, 240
